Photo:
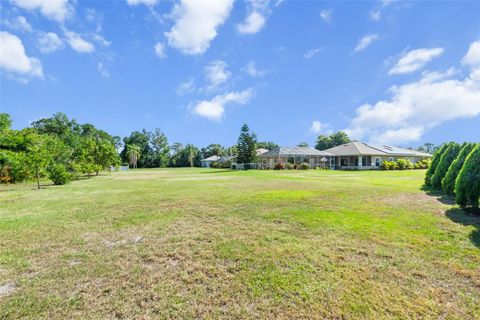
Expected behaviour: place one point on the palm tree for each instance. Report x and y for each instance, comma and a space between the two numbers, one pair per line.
133, 154
192, 153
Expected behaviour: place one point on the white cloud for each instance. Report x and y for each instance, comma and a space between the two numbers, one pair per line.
160, 50
415, 60
103, 70
366, 41
215, 109
252, 70
253, 23
312, 52
186, 87
256, 18
100, 39
326, 15
78, 43
472, 58
216, 73
148, 3
417, 107
196, 23
19, 23
375, 15
317, 127
49, 42
58, 10
13, 58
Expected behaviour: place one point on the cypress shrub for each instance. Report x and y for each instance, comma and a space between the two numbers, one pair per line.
446, 160
467, 184
433, 166
448, 182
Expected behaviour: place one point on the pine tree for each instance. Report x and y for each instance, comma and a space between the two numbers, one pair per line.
467, 185
446, 160
448, 182
246, 147
433, 166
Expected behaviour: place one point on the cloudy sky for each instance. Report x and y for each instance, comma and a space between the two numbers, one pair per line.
392, 72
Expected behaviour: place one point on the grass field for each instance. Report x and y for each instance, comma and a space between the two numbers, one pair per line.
200, 243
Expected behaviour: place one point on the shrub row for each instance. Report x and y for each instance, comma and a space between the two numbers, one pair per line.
455, 170
405, 164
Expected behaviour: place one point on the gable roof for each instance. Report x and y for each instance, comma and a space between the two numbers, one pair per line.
356, 148
212, 158
293, 151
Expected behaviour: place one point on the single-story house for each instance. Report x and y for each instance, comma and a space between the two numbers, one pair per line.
295, 155
360, 155
206, 163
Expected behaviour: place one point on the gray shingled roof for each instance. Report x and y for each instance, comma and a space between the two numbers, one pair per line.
293, 151
360, 148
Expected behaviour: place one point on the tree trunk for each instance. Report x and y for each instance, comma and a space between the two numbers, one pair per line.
38, 179
97, 173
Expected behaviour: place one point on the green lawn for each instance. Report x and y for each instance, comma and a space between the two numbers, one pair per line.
201, 243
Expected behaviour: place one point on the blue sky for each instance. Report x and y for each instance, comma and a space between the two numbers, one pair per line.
390, 72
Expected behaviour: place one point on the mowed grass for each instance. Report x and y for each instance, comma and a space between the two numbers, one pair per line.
202, 243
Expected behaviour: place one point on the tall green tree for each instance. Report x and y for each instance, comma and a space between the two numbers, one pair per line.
39, 154
191, 152
448, 182
133, 154
160, 148
246, 147
5, 122
433, 166
213, 149
467, 184
446, 160
333, 140
269, 145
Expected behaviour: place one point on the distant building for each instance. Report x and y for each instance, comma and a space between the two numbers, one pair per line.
295, 155
207, 162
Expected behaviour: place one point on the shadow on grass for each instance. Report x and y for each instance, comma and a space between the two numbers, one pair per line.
217, 171
458, 215
439, 195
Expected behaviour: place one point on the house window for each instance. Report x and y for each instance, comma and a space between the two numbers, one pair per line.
344, 162
390, 159
377, 161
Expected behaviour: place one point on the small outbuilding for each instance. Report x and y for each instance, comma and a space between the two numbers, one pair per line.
207, 162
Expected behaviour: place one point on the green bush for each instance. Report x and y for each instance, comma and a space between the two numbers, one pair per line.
433, 166
279, 166
404, 164
58, 174
467, 184
224, 164
389, 165
289, 166
448, 182
304, 166
423, 164
445, 161
214, 165
13, 167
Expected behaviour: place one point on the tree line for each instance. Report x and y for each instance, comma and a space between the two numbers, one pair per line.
61, 149
455, 170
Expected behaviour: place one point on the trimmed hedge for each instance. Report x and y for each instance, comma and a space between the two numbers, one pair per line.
467, 184
448, 182
446, 160
433, 166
